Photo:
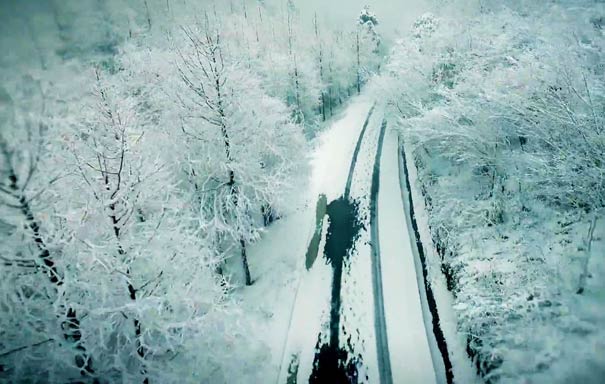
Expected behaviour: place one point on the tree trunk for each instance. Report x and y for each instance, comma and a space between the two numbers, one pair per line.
268, 214
358, 66
322, 108
132, 292
586, 259
231, 174
148, 15
330, 99
70, 326
297, 90
242, 243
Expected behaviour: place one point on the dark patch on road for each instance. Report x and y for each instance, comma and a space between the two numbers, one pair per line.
343, 232
333, 363
293, 370
313, 249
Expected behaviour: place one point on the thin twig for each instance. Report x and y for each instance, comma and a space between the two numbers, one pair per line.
4, 354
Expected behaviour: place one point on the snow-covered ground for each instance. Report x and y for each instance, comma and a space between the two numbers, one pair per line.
311, 314
291, 309
288, 308
408, 341
461, 365
357, 290
524, 340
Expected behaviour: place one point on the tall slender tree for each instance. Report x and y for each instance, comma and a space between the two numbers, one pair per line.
23, 148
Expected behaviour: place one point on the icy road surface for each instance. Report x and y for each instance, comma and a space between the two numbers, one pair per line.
358, 314
411, 360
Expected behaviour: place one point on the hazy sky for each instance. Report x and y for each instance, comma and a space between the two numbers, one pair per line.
22, 20
392, 14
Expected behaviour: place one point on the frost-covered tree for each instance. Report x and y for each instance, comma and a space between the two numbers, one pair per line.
40, 328
368, 18
138, 267
245, 136
119, 204
367, 46
504, 118
108, 166
280, 52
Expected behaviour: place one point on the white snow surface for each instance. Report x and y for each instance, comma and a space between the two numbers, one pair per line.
332, 157
461, 365
330, 165
356, 293
411, 360
288, 306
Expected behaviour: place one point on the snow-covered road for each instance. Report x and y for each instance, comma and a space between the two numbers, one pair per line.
358, 312
410, 353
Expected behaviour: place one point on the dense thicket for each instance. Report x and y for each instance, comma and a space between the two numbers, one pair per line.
503, 105
141, 153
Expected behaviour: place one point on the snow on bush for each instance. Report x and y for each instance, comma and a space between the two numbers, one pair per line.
141, 153
505, 112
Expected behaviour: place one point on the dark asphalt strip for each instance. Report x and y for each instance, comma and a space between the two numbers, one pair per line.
382, 344
313, 249
336, 362
333, 362
419, 251
356, 153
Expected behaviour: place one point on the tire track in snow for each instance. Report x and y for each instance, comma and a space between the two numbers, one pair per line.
291, 363
333, 362
356, 153
419, 253
382, 345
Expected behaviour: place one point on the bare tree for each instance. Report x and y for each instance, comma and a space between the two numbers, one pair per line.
22, 148
105, 164
320, 62
203, 71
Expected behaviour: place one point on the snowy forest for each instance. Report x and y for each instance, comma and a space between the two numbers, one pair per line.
281, 191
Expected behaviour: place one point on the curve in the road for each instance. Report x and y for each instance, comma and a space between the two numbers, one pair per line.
382, 345
356, 153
